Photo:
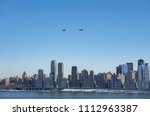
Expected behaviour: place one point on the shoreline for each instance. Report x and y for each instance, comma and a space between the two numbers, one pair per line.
84, 91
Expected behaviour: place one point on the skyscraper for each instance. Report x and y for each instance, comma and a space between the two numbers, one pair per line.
130, 67
74, 73
60, 70
53, 69
124, 69
128, 76
74, 81
60, 74
146, 72
146, 76
140, 62
143, 75
40, 80
24, 76
119, 69
92, 80
140, 73
85, 79
53, 74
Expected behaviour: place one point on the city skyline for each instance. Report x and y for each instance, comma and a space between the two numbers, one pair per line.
57, 69
113, 32
126, 77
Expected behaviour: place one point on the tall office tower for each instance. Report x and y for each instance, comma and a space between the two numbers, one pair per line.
85, 79
53, 74
74, 81
74, 73
24, 76
143, 75
146, 72
140, 62
60, 70
53, 69
146, 76
140, 74
118, 69
140, 70
124, 69
130, 67
128, 76
92, 80
60, 75
40, 80
92, 74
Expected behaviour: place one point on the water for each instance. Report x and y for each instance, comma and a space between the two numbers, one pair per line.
70, 95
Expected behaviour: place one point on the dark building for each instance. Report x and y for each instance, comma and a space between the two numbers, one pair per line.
91, 79
60, 75
53, 75
60, 70
74, 81
101, 81
74, 73
140, 62
40, 80
24, 77
130, 82
116, 83
85, 79
119, 69
130, 67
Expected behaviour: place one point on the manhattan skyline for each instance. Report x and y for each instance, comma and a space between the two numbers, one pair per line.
124, 78
115, 32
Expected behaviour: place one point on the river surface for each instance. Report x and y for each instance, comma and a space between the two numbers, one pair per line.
70, 95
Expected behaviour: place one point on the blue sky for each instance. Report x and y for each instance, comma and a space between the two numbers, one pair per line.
115, 32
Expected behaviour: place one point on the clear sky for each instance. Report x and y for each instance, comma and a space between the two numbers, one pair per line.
115, 32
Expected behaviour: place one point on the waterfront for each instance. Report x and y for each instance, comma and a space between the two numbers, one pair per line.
70, 95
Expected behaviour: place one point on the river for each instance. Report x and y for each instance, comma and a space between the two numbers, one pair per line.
70, 95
